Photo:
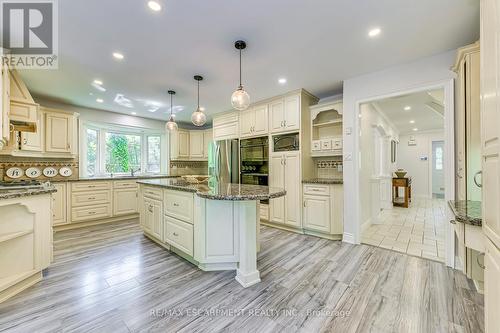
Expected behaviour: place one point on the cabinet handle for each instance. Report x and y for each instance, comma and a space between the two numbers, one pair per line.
25, 141
91, 198
304, 203
176, 204
284, 123
175, 234
453, 222
91, 213
150, 208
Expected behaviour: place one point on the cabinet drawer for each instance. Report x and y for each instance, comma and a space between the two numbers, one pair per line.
153, 193
90, 186
179, 205
316, 145
337, 143
316, 189
326, 144
125, 184
179, 234
90, 198
80, 214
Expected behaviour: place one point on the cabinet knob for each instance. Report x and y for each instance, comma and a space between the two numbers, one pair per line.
175, 234
176, 204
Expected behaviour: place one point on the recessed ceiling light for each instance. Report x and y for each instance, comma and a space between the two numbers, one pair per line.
374, 32
133, 113
118, 55
412, 121
91, 94
154, 5
407, 108
99, 100
98, 82
282, 80
415, 129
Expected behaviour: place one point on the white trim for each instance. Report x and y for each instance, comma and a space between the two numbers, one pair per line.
348, 238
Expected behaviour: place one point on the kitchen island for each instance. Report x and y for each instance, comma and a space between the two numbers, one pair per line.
214, 225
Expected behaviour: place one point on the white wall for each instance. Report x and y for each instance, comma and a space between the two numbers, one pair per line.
426, 72
410, 159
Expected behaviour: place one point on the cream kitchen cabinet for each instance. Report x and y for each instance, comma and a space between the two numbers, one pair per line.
179, 145
33, 141
207, 138
23, 108
60, 132
284, 114
323, 209
284, 172
226, 126
153, 217
196, 145
5, 105
491, 287
59, 204
179, 234
125, 201
254, 122
179, 205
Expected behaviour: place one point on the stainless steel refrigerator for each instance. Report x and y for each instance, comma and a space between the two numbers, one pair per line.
224, 161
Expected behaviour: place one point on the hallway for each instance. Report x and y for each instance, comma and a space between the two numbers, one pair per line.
417, 230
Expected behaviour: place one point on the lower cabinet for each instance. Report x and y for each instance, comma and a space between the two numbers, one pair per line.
317, 213
179, 234
323, 208
124, 201
59, 204
153, 214
491, 287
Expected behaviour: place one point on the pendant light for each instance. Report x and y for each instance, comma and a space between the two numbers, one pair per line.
171, 125
240, 98
198, 117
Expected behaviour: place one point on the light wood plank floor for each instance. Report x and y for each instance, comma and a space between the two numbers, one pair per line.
110, 278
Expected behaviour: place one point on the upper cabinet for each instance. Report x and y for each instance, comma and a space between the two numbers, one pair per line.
253, 122
207, 138
196, 144
190, 145
179, 145
326, 129
284, 114
23, 109
226, 126
60, 132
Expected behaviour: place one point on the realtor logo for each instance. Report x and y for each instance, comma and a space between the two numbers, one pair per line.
29, 33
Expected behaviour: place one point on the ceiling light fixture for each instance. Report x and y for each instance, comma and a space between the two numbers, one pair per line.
98, 82
99, 100
374, 32
133, 113
118, 55
198, 118
282, 80
202, 108
171, 126
412, 121
415, 129
154, 5
240, 99
407, 108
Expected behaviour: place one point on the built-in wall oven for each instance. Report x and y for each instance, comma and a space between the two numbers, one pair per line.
254, 157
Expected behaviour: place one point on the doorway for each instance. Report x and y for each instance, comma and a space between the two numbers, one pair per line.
437, 173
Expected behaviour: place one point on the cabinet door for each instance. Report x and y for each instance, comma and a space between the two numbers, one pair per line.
276, 116
247, 122
292, 185
261, 119
292, 113
153, 218
277, 179
317, 213
59, 204
207, 138
492, 287
5, 90
58, 133
124, 201
183, 144
33, 141
196, 144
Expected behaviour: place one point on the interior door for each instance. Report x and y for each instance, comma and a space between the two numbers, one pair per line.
292, 186
277, 179
438, 169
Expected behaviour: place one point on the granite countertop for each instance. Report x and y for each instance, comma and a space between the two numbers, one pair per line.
467, 211
11, 194
122, 177
326, 181
219, 191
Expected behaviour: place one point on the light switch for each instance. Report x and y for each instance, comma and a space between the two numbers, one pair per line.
347, 157
348, 131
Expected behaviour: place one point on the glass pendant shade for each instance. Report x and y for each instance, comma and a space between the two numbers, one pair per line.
240, 100
171, 125
198, 118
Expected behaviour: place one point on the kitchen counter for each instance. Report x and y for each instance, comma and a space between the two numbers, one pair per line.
219, 191
467, 211
122, 177
11, 194
325, 181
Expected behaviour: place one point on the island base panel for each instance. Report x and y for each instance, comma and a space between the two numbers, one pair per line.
247, 273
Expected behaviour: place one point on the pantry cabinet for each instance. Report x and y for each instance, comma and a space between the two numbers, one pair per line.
284, 172
284, 114
253, 122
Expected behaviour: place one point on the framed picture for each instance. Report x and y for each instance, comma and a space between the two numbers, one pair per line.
394, 149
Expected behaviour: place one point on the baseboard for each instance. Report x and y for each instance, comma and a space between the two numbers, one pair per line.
282, 227
348, 238
76, 225
322, 235
20, 286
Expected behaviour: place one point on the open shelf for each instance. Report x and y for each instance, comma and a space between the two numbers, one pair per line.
329, 123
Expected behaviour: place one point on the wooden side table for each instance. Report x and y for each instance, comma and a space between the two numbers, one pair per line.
396, 199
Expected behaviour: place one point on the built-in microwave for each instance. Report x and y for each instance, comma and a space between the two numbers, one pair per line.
286, 142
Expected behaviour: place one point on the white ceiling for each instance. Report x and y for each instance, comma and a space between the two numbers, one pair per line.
314, 44
427, 111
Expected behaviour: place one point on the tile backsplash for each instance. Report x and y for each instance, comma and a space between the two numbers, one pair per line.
329, 168
7, 162
180, 168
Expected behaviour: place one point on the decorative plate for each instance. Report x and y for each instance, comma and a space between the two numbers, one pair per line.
50, 172
33, 172
14, 172
65, 172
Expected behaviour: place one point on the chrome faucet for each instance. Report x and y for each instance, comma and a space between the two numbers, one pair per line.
132, 171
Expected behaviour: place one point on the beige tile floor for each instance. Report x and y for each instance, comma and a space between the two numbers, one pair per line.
417, 230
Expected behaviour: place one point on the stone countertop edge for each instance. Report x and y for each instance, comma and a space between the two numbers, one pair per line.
12, 194
467, 211
84, 179
194, 188
325, 181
